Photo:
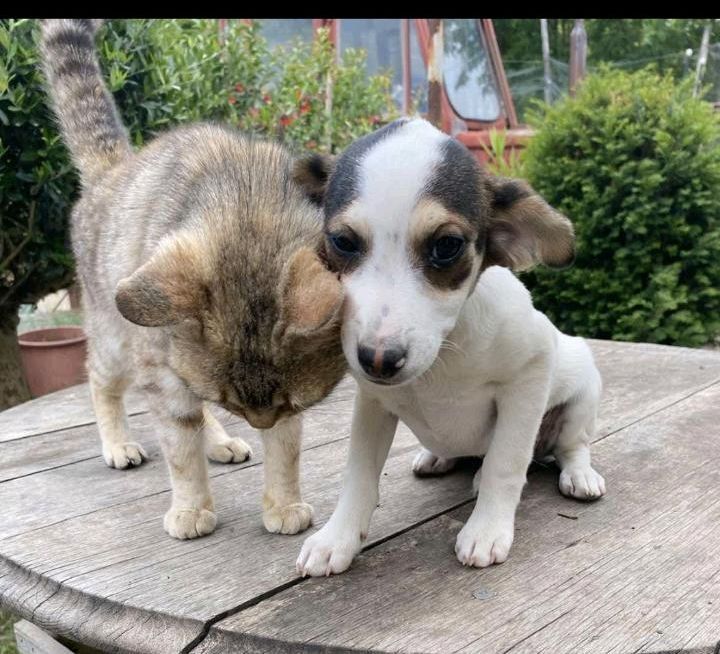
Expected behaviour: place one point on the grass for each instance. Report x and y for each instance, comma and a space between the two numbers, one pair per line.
7, 637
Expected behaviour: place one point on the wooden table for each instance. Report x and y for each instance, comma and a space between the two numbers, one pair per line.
83, 553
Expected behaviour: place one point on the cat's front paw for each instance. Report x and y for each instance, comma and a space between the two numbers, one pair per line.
229, 450
329, 551
289, 519
482, 542
186, 523
124, 455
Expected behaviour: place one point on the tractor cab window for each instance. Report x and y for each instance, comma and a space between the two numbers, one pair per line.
381, 39
468, 76
281, 31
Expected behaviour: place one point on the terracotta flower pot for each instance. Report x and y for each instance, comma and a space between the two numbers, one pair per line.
53, 358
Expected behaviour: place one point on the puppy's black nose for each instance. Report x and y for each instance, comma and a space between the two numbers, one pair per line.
381, 363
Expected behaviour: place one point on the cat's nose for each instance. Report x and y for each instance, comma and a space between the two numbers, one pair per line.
381, 363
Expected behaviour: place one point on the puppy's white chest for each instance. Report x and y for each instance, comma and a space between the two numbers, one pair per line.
454, 420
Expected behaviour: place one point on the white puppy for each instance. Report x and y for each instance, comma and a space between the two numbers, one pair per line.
441, 336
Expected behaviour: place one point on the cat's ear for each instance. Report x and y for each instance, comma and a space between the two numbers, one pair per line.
168, 288
312, 296
524, 230
312, 173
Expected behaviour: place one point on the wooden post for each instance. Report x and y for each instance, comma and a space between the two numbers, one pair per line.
31, 639
406, 73
546, 60
493, 50
435, 65
328, 136
578, 54
702, 60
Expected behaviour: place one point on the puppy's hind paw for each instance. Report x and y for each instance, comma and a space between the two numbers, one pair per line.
581, 483
427, 464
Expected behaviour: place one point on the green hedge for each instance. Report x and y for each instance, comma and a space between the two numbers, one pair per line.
634, 161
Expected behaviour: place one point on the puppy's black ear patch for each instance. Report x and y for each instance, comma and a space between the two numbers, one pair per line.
508, 193
524, 230
312, 173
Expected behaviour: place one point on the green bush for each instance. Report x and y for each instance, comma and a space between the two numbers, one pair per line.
634, 161
162, 73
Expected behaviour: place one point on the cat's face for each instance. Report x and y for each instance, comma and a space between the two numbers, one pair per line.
261, 353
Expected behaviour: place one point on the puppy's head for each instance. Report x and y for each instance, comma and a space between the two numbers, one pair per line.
411, 221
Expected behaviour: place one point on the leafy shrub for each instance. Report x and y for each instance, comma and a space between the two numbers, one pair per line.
37, 182
634, 161
175, 71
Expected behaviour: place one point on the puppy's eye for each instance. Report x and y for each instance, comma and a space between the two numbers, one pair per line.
446, 250
346, 244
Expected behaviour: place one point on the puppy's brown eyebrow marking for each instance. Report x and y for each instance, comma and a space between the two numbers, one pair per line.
350, 218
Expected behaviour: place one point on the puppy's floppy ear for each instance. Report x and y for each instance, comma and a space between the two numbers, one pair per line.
166, 289
312, 296
524, 230
312, 173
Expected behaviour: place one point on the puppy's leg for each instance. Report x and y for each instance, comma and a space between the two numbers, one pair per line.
284, 511
219, 446
108, 382
181, 413
427, 464
578, 479
488, 534
332, 549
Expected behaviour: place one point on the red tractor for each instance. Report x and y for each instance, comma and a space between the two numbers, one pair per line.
472, 95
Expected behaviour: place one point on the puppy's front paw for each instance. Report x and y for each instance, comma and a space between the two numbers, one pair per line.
189, 523
327, 552
231, 450
581, 483
289, 519
481, 543
426, 463
124, 455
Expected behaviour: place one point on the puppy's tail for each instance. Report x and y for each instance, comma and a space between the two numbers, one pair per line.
88, 117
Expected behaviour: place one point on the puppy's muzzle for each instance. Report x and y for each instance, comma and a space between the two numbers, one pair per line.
381, 363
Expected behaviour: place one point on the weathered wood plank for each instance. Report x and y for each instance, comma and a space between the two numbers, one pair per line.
663, 376
123, 556
31, 455
31, 639
60, 491
82, 532
92, 622
637, 571
70, 407
639, 379
28, 456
